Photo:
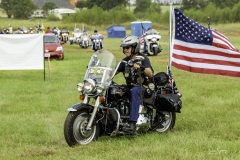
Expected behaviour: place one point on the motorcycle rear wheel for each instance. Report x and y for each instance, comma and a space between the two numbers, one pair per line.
164, 121
75, 131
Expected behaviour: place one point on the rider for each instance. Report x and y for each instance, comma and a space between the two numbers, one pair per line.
131, 47
92, 38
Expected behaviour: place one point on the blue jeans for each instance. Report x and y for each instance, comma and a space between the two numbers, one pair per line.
135, 102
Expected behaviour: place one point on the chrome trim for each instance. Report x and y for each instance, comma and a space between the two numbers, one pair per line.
93, 114
115, 132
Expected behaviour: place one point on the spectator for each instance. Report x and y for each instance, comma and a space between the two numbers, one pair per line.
47, 30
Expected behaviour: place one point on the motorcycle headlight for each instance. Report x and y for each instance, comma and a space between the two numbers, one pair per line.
85, 39
100, 89
89, 85
59, 48
154, 40
80, 87
100, 40
97, 40
94, 40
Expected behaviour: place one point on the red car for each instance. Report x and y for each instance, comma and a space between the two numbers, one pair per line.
53, 47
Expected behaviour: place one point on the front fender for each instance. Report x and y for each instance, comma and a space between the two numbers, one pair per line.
79, 106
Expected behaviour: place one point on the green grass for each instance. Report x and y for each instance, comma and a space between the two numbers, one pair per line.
33, 111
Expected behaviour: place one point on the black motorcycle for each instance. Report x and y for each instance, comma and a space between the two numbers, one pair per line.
105, 105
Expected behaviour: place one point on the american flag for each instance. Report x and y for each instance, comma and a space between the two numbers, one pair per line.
141, 39
170, 80
202, 50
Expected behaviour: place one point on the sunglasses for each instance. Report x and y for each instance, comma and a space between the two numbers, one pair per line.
126, 47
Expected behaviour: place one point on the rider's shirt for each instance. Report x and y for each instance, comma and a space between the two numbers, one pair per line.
130, 74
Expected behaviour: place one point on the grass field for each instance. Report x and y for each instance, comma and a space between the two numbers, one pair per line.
33, 111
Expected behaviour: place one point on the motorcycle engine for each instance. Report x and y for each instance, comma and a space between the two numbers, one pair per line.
119, 92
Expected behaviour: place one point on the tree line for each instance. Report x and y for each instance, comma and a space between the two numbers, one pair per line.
116, 12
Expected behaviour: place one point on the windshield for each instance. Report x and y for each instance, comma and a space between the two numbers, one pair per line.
96, 36
50, 39
77, 30
101, 66
151, 31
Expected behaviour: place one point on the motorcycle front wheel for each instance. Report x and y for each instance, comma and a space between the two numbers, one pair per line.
164, 121
75, 131
155, 51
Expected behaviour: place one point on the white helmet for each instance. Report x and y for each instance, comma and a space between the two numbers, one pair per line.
132, 41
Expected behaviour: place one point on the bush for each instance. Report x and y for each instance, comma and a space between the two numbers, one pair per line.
96, 16
52, 17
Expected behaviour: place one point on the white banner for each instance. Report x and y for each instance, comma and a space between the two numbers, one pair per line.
21, 52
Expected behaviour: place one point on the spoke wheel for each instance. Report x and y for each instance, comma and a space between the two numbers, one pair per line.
164, 121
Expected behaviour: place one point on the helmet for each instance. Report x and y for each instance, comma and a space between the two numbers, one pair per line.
131, 41
95, 31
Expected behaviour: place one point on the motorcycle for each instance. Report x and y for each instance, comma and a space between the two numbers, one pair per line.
57, 32
76, 36
151, 45
10, 29
64, 35
84, 40
105, 104
25, 30
97, 42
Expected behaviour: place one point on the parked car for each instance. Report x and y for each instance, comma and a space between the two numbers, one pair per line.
53, 46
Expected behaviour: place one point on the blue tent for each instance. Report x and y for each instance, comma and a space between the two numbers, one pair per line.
116, 32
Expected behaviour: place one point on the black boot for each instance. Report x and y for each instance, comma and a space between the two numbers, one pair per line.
131, 127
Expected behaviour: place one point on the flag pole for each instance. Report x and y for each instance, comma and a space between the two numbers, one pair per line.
170, 35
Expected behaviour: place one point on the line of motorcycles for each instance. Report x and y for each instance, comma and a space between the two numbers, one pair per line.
149, 46
85, 40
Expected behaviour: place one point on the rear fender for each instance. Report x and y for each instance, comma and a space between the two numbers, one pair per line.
79, 106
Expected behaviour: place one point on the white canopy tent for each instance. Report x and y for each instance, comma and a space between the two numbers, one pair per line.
60, 11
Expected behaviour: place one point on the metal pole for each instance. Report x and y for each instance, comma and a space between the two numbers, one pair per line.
170, 34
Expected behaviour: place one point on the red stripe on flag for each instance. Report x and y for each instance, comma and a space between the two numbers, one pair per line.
207, 61
206, 71
205, 51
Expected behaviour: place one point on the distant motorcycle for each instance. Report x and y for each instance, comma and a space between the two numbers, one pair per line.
84, 40
64, 35
10, 29
25, 30
97, 42
151, 45
76, 36
57, 32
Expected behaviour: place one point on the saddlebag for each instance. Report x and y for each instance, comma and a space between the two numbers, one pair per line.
169, 102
